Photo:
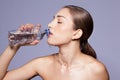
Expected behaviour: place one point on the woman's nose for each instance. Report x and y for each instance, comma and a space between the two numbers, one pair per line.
50, 25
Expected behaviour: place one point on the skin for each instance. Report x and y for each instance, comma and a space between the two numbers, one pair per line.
68, 64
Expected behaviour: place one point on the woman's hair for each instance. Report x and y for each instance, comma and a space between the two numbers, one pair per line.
83, 20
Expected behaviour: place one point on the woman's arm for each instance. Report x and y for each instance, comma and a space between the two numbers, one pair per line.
7, 56
25, 72
5, 59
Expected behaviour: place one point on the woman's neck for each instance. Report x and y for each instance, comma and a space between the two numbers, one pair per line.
68, 54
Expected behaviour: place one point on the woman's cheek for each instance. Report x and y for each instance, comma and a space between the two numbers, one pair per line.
58, 41
54, 41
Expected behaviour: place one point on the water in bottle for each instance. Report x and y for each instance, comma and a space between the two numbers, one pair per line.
24, 37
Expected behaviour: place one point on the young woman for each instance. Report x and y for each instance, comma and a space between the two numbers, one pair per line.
76, 60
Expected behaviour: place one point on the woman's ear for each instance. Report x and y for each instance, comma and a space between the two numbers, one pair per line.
77, 34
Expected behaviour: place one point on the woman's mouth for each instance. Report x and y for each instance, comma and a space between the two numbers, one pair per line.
48, 32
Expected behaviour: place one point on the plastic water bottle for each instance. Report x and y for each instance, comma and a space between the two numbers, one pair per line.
24, 37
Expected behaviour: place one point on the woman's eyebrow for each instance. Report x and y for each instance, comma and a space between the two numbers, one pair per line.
59, 16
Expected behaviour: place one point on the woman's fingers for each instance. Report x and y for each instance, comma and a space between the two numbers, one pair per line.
26, 27
32, 29
34, 42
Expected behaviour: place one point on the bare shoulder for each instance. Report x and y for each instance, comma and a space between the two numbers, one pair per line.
98, 70
44, 60
43, 64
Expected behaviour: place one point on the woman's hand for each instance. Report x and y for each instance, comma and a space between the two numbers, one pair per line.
29, 27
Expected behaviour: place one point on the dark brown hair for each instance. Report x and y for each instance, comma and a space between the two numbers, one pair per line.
83, 20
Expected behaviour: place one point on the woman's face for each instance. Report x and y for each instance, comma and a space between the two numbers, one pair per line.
61, 28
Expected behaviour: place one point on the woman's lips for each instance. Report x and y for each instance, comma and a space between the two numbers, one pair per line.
50, 33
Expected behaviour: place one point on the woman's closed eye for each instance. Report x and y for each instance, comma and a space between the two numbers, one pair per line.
59, 22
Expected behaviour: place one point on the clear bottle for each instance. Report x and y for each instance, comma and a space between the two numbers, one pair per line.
24, 37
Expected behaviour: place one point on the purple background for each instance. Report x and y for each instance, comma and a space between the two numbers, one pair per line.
105, 38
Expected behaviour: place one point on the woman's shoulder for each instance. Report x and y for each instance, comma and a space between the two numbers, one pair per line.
93, 63
97, 66
98, 69
44, 60
42, 64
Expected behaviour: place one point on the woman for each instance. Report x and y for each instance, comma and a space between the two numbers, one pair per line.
76, 60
